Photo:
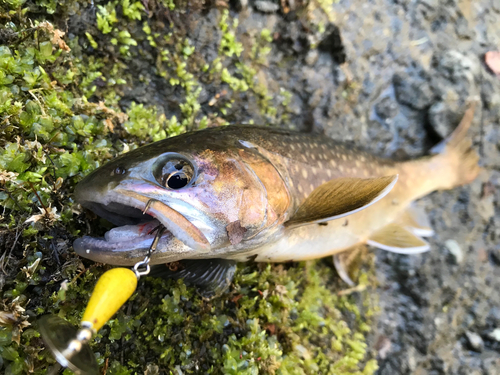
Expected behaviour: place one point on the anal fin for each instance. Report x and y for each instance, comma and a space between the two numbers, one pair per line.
397, 239
211, 276
416, 221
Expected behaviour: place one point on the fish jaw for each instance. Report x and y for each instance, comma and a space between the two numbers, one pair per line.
138, 219
131, 249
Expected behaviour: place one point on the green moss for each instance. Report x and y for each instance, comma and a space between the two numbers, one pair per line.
63, 113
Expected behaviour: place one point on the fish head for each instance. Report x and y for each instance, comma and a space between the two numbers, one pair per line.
208, 200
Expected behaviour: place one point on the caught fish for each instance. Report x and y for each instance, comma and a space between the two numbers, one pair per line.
239, 193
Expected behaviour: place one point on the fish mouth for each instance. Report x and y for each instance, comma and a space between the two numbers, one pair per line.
138, 218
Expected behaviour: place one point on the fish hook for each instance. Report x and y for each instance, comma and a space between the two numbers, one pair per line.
142, 268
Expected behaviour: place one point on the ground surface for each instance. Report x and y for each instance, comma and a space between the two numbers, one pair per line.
392, 76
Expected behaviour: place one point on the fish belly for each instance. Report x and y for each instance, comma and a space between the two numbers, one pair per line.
308, 242
320, 240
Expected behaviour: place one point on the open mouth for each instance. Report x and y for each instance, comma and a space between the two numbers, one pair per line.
132, 237
137, 219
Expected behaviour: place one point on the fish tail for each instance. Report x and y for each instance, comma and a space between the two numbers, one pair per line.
457, 161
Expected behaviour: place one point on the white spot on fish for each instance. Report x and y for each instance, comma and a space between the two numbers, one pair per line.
247, 144
304, 173
333, 163
301, 190
329, 173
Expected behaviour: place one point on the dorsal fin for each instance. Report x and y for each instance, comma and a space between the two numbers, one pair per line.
396, 239
341, 197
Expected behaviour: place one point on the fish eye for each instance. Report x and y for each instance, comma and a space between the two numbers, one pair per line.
118, 171
174, 173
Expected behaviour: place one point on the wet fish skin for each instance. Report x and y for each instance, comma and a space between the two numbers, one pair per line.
249, 182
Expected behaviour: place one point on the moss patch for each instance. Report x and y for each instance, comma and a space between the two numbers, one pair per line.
65, 109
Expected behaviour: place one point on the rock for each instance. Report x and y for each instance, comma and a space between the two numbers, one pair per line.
456, 66
444, 119
495, 334
486, 207
383, 346
462, 28
266, 6
455, 249
332, 43
311, 57
475, 341
386, 108
413, 92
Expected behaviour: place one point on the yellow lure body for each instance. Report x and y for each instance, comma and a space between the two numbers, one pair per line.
112, 290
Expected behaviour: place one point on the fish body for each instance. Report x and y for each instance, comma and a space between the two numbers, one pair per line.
244, 192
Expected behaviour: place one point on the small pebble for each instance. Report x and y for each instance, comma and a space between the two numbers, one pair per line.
475, 341
495, 334
455, 249
266, 6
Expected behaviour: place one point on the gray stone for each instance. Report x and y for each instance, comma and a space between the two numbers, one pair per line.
455, 249
475, 341
413, 92
386, 108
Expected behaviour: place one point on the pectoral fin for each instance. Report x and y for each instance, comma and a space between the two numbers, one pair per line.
416, 221
341, 197
211, 276
396, 239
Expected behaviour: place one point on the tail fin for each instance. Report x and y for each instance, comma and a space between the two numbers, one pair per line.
455, 153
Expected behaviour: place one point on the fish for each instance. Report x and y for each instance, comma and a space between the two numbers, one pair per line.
241, 193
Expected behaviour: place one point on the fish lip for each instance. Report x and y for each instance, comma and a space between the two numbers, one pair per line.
170, 218
116, 253
127, 252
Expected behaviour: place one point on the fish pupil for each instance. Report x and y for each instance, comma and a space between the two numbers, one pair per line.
119, 171
177, 180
